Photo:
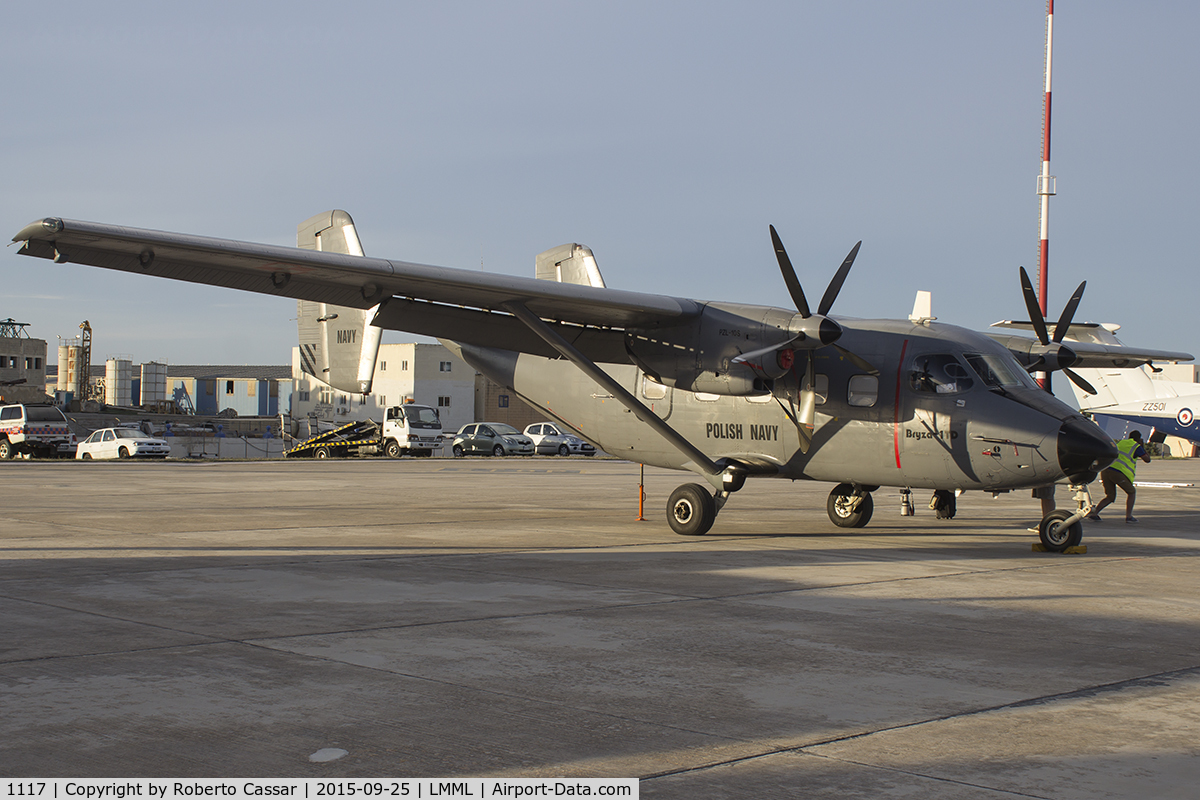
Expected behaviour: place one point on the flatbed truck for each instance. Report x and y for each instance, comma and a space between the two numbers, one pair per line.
407, 430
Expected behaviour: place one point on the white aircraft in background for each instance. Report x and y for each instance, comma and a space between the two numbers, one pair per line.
1131, 396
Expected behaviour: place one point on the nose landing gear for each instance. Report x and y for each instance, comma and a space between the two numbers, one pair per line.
1061, 529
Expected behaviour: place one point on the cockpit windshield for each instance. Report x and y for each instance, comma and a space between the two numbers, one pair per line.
997, 371
940, 373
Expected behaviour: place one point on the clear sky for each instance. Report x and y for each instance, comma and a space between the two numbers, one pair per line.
665, 136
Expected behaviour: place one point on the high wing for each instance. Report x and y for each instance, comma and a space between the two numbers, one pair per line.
1088, 350
459, 304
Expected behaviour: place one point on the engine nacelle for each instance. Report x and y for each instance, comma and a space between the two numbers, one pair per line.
699, 356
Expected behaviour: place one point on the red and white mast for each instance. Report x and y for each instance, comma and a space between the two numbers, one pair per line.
1046, 181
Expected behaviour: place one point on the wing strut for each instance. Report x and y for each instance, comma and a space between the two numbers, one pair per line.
704, 464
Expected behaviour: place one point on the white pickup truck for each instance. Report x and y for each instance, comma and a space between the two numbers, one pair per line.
37, 429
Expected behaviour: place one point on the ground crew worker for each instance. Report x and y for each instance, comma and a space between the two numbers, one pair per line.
1120, 473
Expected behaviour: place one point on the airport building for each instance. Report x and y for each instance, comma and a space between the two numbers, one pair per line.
428, 374
22, 363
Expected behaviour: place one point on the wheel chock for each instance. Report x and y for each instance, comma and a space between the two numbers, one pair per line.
1078, 549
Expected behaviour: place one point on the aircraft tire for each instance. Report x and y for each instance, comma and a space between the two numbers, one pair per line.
691, 510
1054, 537
839, 511
392, 450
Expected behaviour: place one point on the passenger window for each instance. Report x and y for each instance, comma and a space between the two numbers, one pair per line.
821, 387
939, 374
109, 436
863, 390
467, 431
652, 389
12, 412
707, 397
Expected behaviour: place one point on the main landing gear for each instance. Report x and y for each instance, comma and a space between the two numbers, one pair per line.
692, 508
850, 506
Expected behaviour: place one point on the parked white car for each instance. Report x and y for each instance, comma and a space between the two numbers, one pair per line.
121, 443
549, 439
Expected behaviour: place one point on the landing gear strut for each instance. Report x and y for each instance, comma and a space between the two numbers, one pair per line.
850, 506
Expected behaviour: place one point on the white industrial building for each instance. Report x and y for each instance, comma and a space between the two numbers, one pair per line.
428, 374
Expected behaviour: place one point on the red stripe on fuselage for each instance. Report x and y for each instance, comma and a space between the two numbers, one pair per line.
896, 417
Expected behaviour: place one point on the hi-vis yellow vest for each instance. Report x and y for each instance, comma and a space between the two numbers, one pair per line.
1125, 463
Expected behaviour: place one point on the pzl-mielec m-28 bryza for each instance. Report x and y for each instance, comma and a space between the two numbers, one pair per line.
724, 390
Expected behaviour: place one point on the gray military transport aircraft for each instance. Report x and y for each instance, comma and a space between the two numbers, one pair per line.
725, 390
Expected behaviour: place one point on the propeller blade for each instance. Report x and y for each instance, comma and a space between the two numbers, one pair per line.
1079, 381
835, 285
807, 416
1064, 322
1035, 310
789, 276
857, 360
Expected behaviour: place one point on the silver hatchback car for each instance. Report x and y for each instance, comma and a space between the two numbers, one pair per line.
491, 438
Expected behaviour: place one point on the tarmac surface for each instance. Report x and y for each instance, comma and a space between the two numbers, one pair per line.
502, 617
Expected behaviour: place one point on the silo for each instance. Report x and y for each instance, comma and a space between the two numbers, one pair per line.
64, 372
154, 383
116, 382
70, 370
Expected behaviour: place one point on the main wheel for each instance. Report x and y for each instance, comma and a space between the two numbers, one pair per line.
457, 451
1055, 537
392, 450
6, 450
497, 450
123, 453
841, 510
691, 510
322, 452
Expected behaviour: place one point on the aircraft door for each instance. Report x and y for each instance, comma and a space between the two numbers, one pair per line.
932, 447
658, 397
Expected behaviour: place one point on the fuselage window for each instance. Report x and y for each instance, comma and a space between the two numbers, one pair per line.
652, 389
863, 390
821, 387
706, 397
939, 373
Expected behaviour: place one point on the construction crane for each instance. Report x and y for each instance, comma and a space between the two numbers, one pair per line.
85, 360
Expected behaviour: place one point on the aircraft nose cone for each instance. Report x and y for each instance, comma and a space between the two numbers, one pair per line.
1083, 450
829, 331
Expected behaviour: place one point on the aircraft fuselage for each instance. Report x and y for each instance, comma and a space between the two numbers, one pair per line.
903, 427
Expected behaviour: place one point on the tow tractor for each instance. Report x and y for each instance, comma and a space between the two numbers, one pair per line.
407, 430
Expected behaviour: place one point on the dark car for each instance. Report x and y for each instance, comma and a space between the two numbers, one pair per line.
491, 438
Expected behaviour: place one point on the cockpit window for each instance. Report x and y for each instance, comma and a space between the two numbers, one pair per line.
939, 373
996, 370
